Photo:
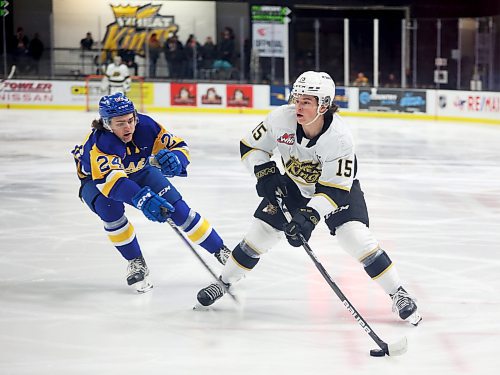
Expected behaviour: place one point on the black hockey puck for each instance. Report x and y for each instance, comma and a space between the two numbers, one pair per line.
377, 353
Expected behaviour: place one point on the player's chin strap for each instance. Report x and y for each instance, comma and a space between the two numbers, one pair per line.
398, 348
318, 113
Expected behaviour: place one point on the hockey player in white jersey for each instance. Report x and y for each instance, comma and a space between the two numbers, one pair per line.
317, 151
117, 78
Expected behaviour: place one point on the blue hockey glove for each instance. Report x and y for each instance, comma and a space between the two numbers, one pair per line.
269, 181
154, 207
303, 222
169, 163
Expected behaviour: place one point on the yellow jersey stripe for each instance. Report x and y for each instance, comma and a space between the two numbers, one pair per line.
125, 242
324, 183
252, 150
198, 231
120, 230
111, 179
126, 232
332, 202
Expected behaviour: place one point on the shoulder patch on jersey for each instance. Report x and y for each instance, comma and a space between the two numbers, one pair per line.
287, 138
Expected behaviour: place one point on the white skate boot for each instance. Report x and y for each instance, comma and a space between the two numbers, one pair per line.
405, 306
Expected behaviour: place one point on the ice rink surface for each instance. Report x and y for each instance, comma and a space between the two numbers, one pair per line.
433, 192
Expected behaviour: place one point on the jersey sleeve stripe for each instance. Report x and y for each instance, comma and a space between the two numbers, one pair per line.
110, 181
246, 149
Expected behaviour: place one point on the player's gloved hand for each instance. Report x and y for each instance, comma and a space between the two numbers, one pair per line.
169, 163
303, 222
154, 207
269, 181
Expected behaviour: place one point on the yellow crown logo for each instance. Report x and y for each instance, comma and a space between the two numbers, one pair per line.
148, 11
124, 11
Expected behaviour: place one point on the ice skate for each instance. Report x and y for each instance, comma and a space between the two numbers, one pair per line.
207, 296
405, 306
137, 275
222, 255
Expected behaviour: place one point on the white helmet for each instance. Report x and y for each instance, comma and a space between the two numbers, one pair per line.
318, 84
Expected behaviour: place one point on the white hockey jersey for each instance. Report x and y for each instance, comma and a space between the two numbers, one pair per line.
323, 168
117, 79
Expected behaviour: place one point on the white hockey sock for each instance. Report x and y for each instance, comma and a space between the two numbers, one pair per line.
389, 280
233, 271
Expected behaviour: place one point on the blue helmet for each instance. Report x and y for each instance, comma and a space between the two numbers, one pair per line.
114, 105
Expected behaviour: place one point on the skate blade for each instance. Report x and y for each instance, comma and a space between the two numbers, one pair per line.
200, 307
414, 318
143, 286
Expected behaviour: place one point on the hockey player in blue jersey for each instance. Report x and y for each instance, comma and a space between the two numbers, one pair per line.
113, 164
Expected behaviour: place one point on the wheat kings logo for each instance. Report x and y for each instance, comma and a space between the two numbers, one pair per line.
306, 170
134, 25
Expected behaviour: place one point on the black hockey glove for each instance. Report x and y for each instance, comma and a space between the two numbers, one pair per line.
303, 222
269, 181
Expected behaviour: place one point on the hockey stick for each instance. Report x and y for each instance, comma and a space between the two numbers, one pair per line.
193, 250
154, 163
11, 74
398, 348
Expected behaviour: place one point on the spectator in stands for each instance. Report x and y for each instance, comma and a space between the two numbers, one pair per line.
208, 53
154, 46
226, 48
175, 57
247, 50
361, 80
192, 51
128, 58
35, 49
20, 43
391, 81
87, 42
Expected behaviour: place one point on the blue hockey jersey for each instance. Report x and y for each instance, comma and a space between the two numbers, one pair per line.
109, 162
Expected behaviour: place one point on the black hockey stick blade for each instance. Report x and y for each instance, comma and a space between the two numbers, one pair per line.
198, 256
